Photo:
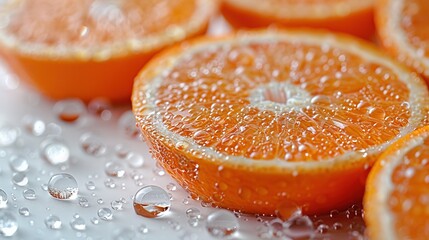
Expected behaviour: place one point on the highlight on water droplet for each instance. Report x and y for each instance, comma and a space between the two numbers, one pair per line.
134, 160
151, 201
55, 151
34, 126
8, 135
3, 199
63, 186
222, 223
18, 163
53, 222
117, 205
114, 169
299, 227
29, 194
20, 179
92, 145
23, 211
78, 224
8, 224
105, 214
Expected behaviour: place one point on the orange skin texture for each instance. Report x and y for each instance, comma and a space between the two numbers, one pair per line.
111, 79
360, 23
247, 189
250, 191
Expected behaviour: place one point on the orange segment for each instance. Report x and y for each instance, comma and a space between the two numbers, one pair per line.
403, 27
396, 198
93, 48
349, 16
261, 121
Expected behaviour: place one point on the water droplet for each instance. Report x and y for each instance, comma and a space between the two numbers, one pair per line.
69, 110
20, 179
299, 227
222, 223
8, 135
143, 229
193, 213
127, 124
109, 183
175, 225
55, 151
83, 202
116, 205
53, 222
159, 171
322, 228
18, 164
121, 151
194, 222
34, 126
171, 187
44, 187
337, 226
29, 194
23, 211
90, 185
100, 201
63, 186
114, 169
100, 107
3, 199
134, 160
8, 224
78, 224
125, 234
94, 220
151, 201
92, 145
105, 214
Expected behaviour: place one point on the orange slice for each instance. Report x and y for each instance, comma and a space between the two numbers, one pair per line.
349, 16
265, 121
396, 197
403, 27
93, 48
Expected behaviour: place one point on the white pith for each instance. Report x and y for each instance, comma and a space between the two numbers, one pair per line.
204, 10
298, 11
149, 89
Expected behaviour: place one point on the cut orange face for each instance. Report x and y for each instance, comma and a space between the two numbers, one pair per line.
93, 48
264, 121
403, 27
396, 197
349, 16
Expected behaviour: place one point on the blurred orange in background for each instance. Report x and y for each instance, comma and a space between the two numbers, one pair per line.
92, 48
349, 16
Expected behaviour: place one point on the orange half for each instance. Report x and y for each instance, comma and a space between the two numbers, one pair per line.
264, 121
403, 27
348, 16
397, 194
93, 48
